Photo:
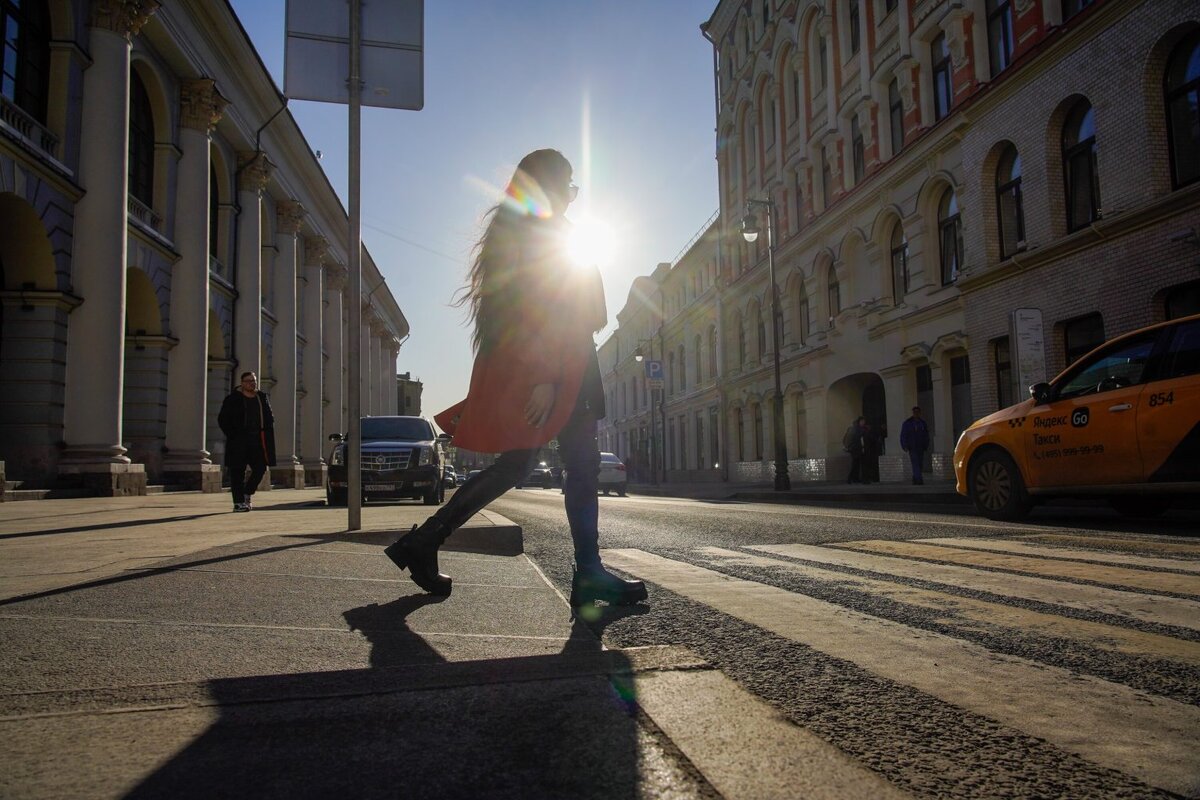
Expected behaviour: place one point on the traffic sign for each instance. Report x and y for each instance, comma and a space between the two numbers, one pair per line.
654, 370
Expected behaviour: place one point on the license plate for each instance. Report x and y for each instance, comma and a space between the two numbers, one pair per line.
380, 487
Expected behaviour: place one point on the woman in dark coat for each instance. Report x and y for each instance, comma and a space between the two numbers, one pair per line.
535, 378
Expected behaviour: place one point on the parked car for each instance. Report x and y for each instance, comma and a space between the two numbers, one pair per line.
612, 475
401, 458
1121, 423
449, 477
461, 478
538, 476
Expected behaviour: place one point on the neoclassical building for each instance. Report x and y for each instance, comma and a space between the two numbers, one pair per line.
164, 227
968, 194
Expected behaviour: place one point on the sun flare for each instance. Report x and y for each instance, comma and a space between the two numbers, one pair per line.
591, 243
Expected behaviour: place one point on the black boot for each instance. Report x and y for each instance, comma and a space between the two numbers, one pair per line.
597, 583
417, 551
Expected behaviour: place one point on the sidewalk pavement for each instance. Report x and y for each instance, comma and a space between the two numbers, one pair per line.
162, 646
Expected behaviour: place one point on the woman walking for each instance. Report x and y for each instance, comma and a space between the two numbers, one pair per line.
535, 378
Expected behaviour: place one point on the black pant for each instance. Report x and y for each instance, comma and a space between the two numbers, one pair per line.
581, 465
856, 471
248, 453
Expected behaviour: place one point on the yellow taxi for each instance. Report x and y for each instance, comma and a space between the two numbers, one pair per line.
1122, 423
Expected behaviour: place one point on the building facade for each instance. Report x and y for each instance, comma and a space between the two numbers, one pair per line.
164, 227
408, 395
966, 196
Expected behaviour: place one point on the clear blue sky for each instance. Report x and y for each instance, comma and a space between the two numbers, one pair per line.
502, 78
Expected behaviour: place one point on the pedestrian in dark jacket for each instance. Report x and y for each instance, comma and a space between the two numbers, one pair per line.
249, 428
914, 440
852, 443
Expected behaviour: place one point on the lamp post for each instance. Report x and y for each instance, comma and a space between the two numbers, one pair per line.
750, 231
639, 358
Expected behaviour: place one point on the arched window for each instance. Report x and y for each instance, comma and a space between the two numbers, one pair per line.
896, 117
25, 55
712, 352
1079, 167
762, 335
801, 314
141, 141
1182, 88
835, 292
899, 250
943, 88
950, 237
1010, 209
822, 61
682, 370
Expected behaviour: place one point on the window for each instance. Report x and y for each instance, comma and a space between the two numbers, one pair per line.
1072, 7
1081, 336
835, 292
713, 442
699, 373
1000, 34
741, 329
699, 440
856, 146
25, 55
758, 433
1114, 367
1009, 207
671, 373
943, 88
1182, 300
1002, 366
855, 32
950, 237
682, 370
798, 189
960, 395
1183, 110
889, 6
826, 182
801, 315
762, 335
1183, 357
899, 250
741, 436
796, 95
823, 61
1079, 167
683, 448
896, 116
766, 13
770, 123
141, 141
712, 352
214, 208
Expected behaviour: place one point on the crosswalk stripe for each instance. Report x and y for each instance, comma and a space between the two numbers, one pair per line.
1049, 551
1113, 576
968, 610
1139, 545
1149, 737
1173, 611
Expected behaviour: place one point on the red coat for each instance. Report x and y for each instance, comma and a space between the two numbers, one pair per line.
550, 341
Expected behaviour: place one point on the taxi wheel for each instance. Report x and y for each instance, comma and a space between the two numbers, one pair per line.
996, 487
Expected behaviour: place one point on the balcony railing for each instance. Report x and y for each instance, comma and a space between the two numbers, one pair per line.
28, 128
144, 214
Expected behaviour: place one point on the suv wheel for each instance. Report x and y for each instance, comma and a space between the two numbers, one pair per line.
996, 487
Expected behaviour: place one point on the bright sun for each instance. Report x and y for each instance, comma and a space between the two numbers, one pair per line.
591, 243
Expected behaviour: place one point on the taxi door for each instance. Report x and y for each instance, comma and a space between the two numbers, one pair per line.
1088, 435
1169, 410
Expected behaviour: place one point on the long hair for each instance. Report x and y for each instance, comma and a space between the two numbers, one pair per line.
492, 290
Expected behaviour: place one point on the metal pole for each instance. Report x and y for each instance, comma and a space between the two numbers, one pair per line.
354, 398
783, 481
654, 449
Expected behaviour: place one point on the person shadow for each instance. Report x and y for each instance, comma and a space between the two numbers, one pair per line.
414, 725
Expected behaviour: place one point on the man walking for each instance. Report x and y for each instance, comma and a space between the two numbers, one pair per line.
853, 442
914, 440
249, 428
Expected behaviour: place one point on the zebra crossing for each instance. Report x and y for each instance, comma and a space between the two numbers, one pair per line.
938, 616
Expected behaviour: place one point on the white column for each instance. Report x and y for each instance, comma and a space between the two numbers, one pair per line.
289, 215
335, 349
201, 107
254, 174
378, 331
96, 332
311, 446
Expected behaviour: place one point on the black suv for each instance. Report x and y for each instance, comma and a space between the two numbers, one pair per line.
401, 458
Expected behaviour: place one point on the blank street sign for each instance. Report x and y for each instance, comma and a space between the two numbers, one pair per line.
317, 55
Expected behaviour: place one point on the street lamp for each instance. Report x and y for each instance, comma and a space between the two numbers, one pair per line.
639, 358
750, 231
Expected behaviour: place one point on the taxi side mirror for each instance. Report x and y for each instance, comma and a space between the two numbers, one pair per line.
1040, 392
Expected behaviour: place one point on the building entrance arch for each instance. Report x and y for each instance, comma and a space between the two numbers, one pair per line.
859, 395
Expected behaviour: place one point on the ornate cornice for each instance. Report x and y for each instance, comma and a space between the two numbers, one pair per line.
123, 17
254, 170
201, 106
288, 216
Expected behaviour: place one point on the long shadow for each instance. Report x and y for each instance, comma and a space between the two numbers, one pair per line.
415, 726
125, 523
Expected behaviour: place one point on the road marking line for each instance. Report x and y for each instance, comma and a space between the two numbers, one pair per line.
1158, 544
1173, 611
966, 612
1113, 576
1149, 737
1049, 551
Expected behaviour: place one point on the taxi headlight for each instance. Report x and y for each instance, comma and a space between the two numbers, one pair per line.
426, 456
339, 456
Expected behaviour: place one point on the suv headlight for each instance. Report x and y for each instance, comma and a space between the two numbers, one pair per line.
339, 456
426, 456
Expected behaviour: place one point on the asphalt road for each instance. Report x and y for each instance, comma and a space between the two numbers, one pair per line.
1056, 657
